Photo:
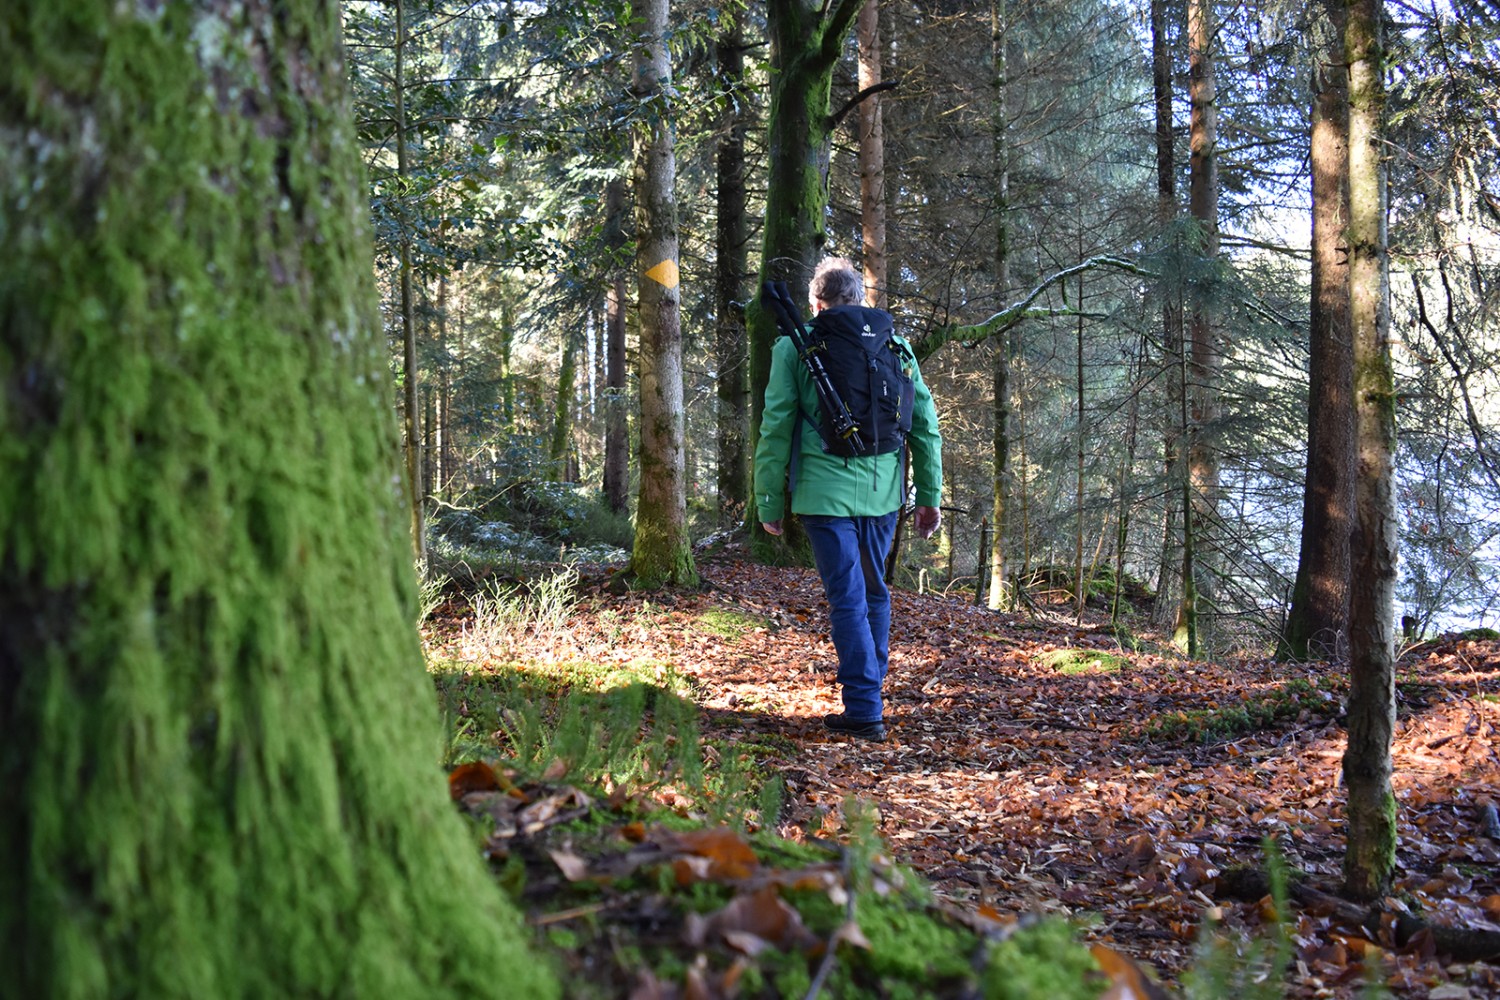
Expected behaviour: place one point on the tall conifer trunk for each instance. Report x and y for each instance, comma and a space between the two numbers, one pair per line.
732, 242
218, 746
1000, 596
1318, 620
871, 156
1205, 351
411, 368
616, 412
1370, 852
662, 553
1168, 604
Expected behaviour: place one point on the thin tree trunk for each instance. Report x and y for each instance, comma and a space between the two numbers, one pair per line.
732, 237
1001, 595
1317, 623
1167, 608
871, 156
1080, 592
616, 416
217, 739
411, 374
663, 553
560, 449
1369, 856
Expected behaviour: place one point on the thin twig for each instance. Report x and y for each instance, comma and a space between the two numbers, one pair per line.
830, 956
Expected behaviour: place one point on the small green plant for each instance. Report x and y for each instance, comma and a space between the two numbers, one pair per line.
541, 605
1228, 966
1044, 960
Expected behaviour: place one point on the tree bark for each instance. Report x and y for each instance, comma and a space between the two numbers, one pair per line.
871, 156
616, 416
663, 554
1369, 856
1317, 623
411, 373
806, 41
560, 449
1167, 608
1205, 353
1001, 596
732, 238
217, 740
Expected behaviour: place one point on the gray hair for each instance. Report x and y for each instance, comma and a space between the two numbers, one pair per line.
835, 282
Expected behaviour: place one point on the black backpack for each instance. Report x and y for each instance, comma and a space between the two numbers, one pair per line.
871, 371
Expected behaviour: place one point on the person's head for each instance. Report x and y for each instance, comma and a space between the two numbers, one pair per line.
835, 282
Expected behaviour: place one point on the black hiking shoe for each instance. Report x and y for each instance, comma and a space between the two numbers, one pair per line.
872, 731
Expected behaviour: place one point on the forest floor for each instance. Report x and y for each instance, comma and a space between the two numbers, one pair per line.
1035, 766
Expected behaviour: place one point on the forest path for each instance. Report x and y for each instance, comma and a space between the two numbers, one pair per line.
1020, 777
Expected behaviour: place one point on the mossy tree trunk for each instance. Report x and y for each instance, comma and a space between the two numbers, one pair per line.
1370, 852
1317, 622
663, 554
218, 747
807, 39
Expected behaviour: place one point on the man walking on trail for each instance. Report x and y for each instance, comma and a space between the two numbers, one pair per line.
847, 505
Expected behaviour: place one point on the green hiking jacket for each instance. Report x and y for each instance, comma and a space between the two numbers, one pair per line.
830, 484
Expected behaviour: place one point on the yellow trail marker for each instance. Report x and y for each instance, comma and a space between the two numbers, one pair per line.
664, 273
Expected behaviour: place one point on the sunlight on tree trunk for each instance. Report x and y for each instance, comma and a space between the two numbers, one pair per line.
871, 156
1205, 350
218, 746
1369, 857
1317, 623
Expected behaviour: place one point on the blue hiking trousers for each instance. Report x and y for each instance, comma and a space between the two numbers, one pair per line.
851, 553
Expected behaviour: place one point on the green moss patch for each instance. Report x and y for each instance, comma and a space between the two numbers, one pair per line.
1071, 662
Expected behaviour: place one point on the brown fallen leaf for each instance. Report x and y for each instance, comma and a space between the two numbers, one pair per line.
1127, 980
762, 915
475, 776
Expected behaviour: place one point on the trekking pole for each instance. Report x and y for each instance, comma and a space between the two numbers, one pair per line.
774, 295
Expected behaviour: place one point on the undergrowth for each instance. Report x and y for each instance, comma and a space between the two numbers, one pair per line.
1284, 703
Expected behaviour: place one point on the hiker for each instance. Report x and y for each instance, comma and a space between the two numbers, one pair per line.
848, 504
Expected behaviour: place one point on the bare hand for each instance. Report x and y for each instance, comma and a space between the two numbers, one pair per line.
772, 527
928, 520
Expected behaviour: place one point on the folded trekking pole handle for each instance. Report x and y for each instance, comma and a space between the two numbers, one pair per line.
774, 295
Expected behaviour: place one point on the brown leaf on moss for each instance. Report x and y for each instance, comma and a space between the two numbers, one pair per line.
730, 858
475, 776
752, 922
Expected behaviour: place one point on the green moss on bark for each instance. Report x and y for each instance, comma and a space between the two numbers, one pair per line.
218, 761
